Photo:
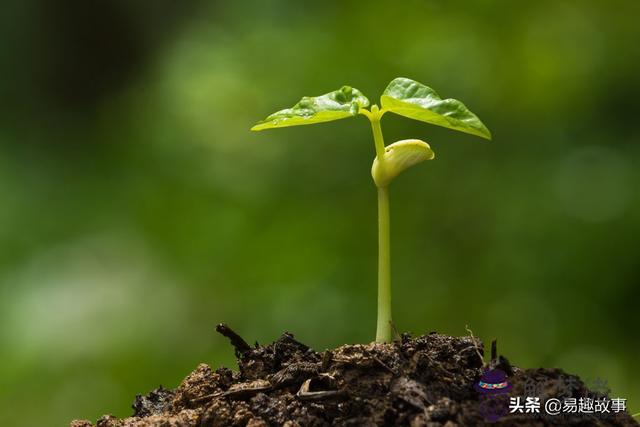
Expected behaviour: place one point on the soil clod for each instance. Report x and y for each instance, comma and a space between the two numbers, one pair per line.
430, 381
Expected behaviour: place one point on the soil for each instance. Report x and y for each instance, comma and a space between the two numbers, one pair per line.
426, 381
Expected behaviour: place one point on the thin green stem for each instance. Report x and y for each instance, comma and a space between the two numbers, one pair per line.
375, 117
383, 330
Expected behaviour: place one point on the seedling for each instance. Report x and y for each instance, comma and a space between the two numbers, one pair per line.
407, 98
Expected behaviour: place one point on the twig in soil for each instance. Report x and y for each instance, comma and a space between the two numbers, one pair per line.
327, 358
207, 397
397, 337
384, 365
475, 344
304, 393
238, 391
494, 351
236, 340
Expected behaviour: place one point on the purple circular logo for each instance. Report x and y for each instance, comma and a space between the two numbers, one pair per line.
494, 398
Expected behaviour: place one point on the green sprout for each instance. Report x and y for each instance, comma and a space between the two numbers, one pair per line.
404, 97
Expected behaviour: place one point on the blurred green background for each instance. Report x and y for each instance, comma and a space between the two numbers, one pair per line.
137, 210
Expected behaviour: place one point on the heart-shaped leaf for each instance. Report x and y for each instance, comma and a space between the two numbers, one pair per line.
398, 157
339, 104
416, 101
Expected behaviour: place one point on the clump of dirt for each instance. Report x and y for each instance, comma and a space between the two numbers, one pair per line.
430, 381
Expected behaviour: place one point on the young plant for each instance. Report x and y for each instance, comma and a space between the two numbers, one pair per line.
404, 97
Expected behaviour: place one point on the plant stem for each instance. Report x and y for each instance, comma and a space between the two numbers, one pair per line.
374, 117
383, 330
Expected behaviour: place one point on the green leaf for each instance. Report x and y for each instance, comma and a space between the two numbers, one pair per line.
416, 101
399, 157
339, 104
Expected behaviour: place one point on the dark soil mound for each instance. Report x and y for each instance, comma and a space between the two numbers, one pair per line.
426, 381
